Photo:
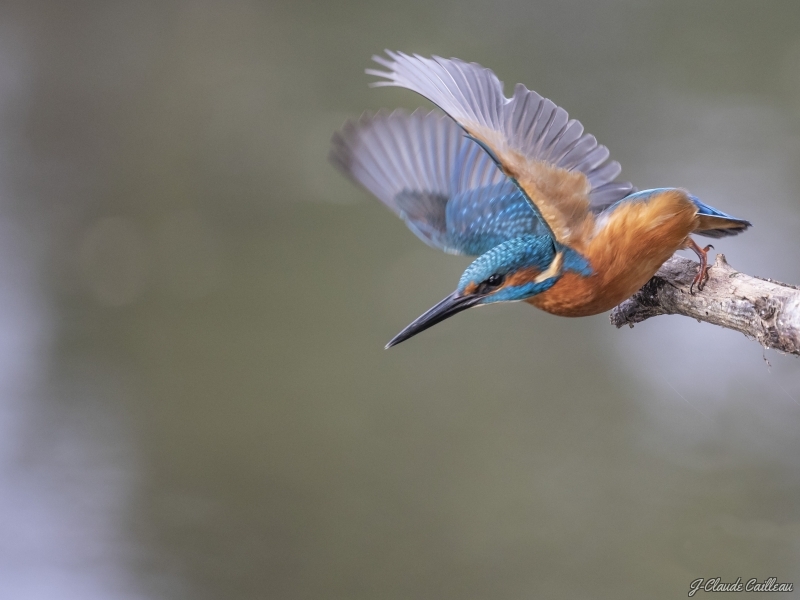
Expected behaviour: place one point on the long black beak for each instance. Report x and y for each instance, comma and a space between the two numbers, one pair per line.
446, 308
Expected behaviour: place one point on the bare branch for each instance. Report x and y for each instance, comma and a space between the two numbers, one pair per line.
764, 310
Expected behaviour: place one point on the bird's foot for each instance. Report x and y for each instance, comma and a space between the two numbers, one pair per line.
702, 275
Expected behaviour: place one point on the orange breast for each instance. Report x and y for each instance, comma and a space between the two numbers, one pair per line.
624, 252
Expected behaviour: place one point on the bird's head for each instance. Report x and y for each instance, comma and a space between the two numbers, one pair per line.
514, 270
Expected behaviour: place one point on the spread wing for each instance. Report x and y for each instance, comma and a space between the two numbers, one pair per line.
564, 173
443, 185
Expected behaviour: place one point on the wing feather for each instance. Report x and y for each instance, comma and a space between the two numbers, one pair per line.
529, 136
444, 186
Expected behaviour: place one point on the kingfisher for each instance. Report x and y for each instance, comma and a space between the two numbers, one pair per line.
517, 183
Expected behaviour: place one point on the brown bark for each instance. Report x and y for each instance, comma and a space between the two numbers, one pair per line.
764, 310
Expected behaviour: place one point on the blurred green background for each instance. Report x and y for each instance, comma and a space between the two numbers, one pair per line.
194, 397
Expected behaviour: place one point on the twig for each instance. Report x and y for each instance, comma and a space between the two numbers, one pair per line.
764, 310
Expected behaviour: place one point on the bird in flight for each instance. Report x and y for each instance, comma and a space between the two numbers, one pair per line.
518, 184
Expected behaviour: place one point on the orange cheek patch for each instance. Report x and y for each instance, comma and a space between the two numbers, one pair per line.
521, 277
470, 289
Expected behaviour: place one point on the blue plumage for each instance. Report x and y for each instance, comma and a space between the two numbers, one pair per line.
478, 220
518, 183
442, 184
535, 252
525, 251
733, 227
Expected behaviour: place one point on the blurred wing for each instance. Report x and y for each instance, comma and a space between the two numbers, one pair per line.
561, 170
444, 186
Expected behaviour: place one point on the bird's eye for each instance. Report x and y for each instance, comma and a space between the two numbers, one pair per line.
490, 284
494, 280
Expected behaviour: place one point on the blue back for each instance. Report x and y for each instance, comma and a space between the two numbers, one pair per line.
480, 219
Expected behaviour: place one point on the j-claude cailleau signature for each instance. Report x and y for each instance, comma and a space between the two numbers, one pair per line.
715, 584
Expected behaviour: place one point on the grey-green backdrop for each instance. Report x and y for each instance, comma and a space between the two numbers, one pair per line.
194, 397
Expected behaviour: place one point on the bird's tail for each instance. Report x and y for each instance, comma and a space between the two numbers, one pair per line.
715, 223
